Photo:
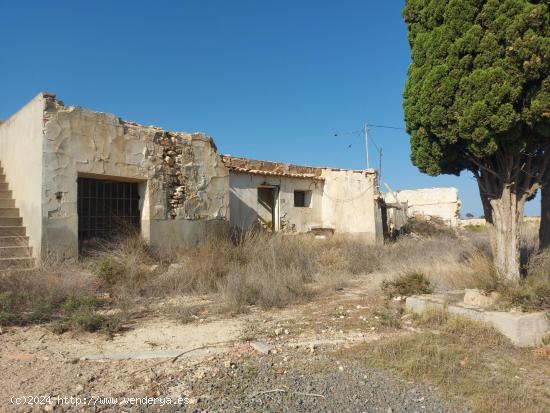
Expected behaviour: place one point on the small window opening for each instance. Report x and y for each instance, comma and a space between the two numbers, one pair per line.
302, 199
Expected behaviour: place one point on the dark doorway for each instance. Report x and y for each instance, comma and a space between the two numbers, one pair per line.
106, 209
268, 211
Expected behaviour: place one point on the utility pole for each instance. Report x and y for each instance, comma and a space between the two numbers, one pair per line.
367, 144
380, 170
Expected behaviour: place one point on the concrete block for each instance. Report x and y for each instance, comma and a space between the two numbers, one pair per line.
261, 347
477, 298
523, 329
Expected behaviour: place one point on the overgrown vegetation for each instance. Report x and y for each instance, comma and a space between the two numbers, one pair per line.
433, 227
411, 283
466, 361
277, 270
260, 269
533, 291
62, 297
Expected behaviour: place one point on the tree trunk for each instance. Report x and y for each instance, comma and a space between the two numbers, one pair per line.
504, 216
544, 231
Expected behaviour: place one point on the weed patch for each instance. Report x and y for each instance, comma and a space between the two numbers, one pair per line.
411, 283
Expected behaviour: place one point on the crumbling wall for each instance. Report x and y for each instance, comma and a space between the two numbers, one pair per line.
182, 181
441, 203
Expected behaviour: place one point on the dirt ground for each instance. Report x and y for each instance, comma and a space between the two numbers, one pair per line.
206, 362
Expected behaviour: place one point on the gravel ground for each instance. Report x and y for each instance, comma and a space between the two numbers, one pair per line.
352, 389
316, 383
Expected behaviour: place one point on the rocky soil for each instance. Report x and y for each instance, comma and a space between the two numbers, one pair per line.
317, 383
307, 369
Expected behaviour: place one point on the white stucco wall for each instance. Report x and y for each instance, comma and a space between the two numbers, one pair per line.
349, 203
442, 203
244, 206
344, 201
21, 157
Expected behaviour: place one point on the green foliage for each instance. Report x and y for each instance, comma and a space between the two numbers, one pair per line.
64, 312
22, 307
411, 283
86, 319
478, 82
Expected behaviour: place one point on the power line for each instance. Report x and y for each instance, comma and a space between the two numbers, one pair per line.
386, 127
368, 138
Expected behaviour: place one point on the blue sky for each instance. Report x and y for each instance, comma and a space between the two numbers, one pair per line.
270, 80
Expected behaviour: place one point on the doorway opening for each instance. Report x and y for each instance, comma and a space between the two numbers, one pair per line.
268, 208
106, 209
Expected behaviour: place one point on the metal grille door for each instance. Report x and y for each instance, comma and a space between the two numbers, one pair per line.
106, 208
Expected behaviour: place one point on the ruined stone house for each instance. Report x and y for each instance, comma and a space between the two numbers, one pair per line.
70, 175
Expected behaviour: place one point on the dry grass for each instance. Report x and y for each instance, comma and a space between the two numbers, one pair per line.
468, 362
533, 291
277, 270
54, 293
122, 264
259, 269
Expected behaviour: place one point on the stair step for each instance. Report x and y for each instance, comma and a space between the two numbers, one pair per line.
14, 241
21, 262
7, 203
9, 212
5, 194
14, 252
10, 221
10, 231
4, 186
2, 178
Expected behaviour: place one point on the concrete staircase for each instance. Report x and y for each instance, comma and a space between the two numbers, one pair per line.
15, 252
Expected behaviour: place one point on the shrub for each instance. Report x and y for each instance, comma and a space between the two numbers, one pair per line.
87, 320
432, 227
475, 228
122, 265
411, 283
63, 297
37, 295
389, 315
